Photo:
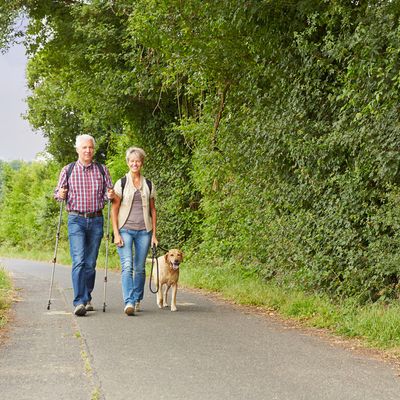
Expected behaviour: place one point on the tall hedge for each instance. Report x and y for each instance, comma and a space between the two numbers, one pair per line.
272, 128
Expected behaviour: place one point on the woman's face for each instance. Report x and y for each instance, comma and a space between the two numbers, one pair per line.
135, 163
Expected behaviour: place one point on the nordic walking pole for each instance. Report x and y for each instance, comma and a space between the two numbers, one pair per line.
107, 243
55, 253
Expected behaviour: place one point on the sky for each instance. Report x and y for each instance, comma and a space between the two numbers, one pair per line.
18, 141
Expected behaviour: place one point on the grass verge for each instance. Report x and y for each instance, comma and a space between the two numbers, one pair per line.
6, 295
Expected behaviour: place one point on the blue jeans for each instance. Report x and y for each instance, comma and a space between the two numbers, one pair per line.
133, 284
85, 236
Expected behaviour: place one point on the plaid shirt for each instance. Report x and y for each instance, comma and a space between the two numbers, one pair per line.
87, 188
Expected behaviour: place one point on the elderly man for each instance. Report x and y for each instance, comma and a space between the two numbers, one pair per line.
85, 185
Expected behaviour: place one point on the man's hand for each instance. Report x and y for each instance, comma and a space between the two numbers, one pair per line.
62, 193
110, 194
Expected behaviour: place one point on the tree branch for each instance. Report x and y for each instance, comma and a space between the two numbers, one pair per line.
218, 117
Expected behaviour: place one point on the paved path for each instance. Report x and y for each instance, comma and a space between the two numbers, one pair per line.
206, 350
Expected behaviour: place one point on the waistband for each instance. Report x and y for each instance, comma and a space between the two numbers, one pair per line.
87, 215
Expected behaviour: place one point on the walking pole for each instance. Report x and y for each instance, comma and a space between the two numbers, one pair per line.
55, 253
106, 264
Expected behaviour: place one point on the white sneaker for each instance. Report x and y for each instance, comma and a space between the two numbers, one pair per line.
80, 310
129, 309
137, 307
89, 306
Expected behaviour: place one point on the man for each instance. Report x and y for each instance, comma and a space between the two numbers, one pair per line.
85, 185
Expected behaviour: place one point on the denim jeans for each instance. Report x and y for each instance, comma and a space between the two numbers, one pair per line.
133, 283
85, 236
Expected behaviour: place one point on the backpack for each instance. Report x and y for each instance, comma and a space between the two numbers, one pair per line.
72, 165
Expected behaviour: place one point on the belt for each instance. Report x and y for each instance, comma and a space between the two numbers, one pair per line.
87, 215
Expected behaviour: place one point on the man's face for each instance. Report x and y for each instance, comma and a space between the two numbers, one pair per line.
85, 152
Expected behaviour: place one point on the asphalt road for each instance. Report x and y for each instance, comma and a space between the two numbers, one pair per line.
206, 350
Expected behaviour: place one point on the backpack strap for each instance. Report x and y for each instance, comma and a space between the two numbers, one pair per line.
149, 184
69, 172
123, 183
101, 168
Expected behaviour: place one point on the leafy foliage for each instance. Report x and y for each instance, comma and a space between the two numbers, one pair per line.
28, 210
271, 128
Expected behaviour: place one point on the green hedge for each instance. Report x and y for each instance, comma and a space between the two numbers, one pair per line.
272, 130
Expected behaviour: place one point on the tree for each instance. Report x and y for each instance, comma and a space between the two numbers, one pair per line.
271, 127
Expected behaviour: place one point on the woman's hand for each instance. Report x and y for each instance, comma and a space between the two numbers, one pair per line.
118, 240
154, 241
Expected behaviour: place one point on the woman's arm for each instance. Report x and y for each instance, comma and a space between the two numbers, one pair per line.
114, 218
153, 212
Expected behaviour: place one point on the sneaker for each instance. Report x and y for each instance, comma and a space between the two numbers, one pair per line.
89, 306
137, 307
80, 310
129, 309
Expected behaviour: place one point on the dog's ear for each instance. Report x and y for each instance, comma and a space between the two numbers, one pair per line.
166, 257
181, 254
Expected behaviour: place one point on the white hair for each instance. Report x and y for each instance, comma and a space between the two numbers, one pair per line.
83, 138
137, 151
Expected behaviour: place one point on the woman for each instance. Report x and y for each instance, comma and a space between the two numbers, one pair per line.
134, 224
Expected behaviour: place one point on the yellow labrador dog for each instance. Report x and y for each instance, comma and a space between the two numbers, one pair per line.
168, 265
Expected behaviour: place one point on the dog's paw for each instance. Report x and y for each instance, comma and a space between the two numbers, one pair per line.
173, 308
160, 305
165, 305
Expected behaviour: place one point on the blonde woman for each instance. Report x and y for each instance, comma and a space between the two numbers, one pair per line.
134, 221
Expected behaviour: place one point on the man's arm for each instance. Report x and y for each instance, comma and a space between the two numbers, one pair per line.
60, 192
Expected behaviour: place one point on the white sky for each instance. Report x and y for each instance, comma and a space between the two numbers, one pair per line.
17, 139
